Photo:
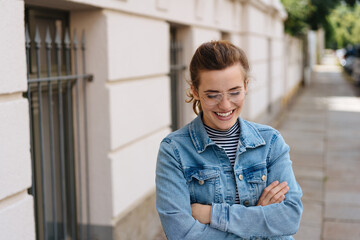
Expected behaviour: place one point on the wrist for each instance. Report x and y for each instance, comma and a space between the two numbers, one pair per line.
219, 216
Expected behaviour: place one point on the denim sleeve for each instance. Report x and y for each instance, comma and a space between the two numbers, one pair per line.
173, 200
279, 219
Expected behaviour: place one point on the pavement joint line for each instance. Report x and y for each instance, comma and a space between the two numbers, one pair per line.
341, 220
317, 202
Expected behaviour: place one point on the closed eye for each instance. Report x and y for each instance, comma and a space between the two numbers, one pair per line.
212, 96
236, 93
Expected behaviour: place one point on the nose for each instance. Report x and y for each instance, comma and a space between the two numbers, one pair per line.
225, 103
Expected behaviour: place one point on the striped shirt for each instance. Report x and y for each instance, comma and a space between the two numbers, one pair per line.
228, 140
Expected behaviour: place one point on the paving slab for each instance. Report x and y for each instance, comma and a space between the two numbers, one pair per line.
342, 212
336, 185
302, 124
341, 230
307, 159
305, 172
333, 155
308, 233
343, 120
312, 214
343, 169
303, 141
342, 197
343, 144
312, 189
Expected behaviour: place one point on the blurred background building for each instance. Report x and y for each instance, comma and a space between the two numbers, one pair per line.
89, 88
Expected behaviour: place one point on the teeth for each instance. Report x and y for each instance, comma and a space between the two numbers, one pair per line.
224, 114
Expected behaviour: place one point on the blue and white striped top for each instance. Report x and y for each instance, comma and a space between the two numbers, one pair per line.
228, 140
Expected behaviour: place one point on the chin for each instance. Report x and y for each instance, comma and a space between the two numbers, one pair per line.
226, 125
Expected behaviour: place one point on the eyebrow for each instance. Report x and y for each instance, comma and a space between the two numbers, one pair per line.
216, 91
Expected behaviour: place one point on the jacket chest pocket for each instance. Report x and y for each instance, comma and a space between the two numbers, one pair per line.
204, 185
256, 177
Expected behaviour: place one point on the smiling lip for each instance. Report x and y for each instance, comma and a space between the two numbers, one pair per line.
224, 116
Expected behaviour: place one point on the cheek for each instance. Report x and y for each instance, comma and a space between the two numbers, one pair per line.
206, 108
241, 103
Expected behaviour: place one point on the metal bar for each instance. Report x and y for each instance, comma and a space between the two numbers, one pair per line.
61, 78
173, 86
70, 134
38, 68
86, 139
33, 187
177, 67
61, 135
175, 70
51, 133
37, 47
27, 45
75, 42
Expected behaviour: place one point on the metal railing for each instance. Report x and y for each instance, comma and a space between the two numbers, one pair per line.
58, 132
176, 71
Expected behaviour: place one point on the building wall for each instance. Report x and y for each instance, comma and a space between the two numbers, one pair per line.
129, 112
95, 25
294, 65
263, 39
16, 205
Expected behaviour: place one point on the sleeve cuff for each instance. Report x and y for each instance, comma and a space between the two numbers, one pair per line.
220, 216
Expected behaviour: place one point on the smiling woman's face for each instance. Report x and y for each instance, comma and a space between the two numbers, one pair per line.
229, 82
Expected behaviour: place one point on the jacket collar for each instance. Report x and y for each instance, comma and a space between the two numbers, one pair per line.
249, 135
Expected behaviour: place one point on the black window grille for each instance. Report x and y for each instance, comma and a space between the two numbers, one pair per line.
57, 106
176, 71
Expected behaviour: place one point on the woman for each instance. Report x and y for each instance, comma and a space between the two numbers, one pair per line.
221, 177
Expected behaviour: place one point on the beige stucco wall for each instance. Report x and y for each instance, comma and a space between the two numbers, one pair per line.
294, 63
262, 39
128, 107
16, 205
95, 25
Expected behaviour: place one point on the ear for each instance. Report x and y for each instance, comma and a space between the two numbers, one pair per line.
246, 83
195, 93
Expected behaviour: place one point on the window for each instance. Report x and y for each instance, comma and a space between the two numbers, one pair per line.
53, 94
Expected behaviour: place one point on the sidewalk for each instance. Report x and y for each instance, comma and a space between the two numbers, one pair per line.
322, 127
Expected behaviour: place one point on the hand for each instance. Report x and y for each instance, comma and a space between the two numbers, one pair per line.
201, 212
274, 193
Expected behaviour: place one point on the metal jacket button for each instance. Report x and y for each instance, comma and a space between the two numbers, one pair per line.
201, 182
263, 177
241, 177
246, 203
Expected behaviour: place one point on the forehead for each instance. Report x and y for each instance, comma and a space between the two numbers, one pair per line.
222, 80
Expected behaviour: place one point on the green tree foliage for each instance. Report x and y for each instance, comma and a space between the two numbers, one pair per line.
298, 11
310, 14
320, 9
344, 22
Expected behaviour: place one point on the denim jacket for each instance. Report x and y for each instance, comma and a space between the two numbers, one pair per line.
191, 168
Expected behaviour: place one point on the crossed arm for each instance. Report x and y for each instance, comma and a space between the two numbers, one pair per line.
274, 193
274, 215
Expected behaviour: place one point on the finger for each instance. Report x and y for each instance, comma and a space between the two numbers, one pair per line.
274, 191
267, 190
280, 196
